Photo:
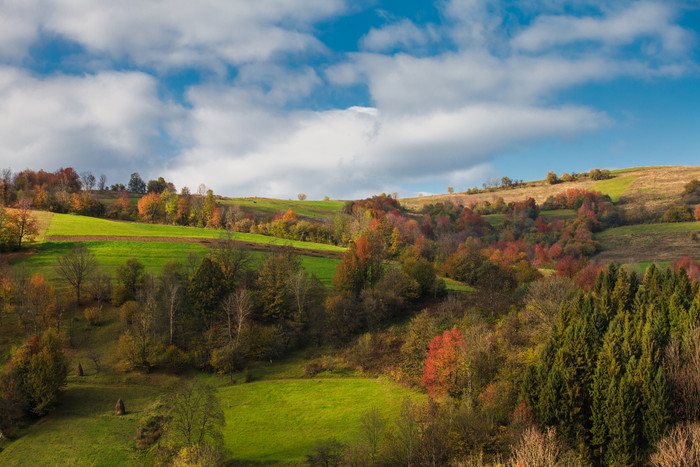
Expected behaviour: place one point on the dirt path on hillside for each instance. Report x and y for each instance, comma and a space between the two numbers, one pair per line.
202, 241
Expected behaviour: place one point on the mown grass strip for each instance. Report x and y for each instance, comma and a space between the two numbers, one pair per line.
614, 187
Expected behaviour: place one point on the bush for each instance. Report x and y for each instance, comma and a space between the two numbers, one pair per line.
93, 315
678, 214
680, 447
692, 187
597, 174
552, 178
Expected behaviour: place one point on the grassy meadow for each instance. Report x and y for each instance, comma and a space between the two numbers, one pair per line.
277, 418
73, 225
614, 187
280, 421
153, 255
319, 209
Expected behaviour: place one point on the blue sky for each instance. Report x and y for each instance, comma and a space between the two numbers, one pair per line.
347, 98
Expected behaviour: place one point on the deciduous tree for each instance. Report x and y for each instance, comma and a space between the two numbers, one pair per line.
76, 267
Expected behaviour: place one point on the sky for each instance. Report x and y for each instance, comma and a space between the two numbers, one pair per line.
347, 98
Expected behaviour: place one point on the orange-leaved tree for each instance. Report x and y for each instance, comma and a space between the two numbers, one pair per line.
151, 207
361, 265
447, 368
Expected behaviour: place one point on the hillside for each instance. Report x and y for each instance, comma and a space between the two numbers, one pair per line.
398, 329
654, 187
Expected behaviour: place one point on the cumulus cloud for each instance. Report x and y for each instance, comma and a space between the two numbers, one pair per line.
240, 147
167, 34
248, 129
403, 34
641, 20
109, 122
18, 29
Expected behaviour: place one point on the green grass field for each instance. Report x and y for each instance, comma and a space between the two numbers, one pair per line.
493, 219
280, 421
69, 224
650, 228
560, 213
325, 209
614, 187
153, 255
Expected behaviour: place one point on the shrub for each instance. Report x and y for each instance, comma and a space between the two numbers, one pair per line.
692, 187
680, 447
93, 315
537, 448
597, 174
678, 214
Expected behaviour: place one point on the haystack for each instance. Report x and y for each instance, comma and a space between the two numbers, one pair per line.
119, 408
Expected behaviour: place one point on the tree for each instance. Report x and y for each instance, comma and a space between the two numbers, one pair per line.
39, 369
237, 308
130, 277
102, 184
76, 267
171, 280
89, 180
205, 291
361, 264
136, 184
446, 368
301, 196
37, 305
552, 178
273, 284
196, 415
372, 424
151, 207
24, 224
450, 189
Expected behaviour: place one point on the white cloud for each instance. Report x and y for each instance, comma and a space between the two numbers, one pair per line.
107, 122
240, 147
403, 34
18, 28
622, 27
166, 34
432, 118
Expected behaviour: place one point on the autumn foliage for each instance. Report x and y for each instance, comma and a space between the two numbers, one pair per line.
445, 367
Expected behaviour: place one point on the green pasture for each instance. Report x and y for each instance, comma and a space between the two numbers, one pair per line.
640, 268
110, 254
458, 286
69, 224
560, 213
153, 255
650, 228
325, 209
637, 169
614, 187
493, 219
280, 421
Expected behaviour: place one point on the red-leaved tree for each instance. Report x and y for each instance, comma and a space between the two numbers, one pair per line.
446, 368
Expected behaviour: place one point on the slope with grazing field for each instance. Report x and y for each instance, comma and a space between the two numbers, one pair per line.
279, 417
153, 255
648, 242
267, 206
69, 225
655, 187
